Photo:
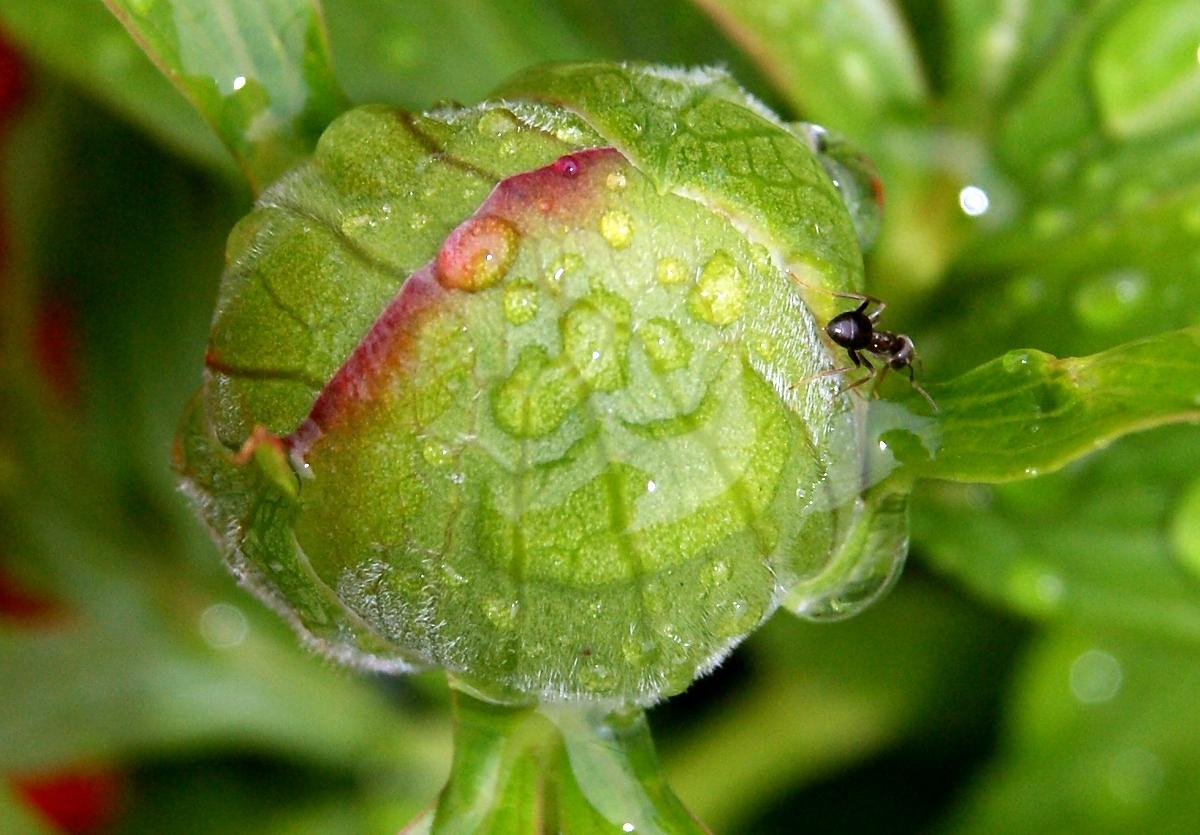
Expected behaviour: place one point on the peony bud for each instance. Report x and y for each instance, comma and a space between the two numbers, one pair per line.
535, 390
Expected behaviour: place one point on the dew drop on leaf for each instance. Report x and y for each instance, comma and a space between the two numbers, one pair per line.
671, 271
616, 227
720, 292
520, 302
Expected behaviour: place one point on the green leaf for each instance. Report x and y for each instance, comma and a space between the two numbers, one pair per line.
848, 65
138, 685
80, 41
259, 73
382, 55
1084, 544
1029, 413
1104, 738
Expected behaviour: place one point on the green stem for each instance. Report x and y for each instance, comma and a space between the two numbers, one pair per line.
570, 768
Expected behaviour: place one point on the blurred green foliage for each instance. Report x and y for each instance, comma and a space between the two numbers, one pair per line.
1034, 670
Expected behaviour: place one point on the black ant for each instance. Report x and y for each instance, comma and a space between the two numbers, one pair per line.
856, 331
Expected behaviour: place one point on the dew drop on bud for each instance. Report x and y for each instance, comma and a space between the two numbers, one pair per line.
478, 253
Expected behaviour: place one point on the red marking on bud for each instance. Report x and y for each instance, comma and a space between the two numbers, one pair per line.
78, 802
380, 354
476, 255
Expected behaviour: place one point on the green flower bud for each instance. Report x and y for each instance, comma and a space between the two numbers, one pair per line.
533, 391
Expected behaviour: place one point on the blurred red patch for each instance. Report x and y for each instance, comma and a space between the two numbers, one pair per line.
79, 802
20, 604
55, 348
12, 79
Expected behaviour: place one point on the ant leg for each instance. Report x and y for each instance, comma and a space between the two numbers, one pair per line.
828, 372
921, 391
858, 297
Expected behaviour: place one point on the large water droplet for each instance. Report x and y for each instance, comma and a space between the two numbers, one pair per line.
720, 293
478, 253
496, 122
616, 227
520, 302
665, 344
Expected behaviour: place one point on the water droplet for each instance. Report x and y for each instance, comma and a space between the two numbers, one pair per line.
418, 221
223, 626
651, 486
520, 302
671, 271
436, 453
595, 676
636, 647
1110, 300
566, 166
1015, 361
595, 334
501, 613
478, 253
557, 272
453, 578
496, 122
715, 574
665, 345
1095, 677
973, 201
239, 82
627, 827
720, 293
737, 618
1032, 472
615, 181
617, 228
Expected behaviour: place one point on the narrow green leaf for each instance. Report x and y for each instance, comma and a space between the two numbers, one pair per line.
80, 41
258, 72
1086, 543
845, 64
1028, 413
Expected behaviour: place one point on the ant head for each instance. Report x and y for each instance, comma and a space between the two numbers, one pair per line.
851, 329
